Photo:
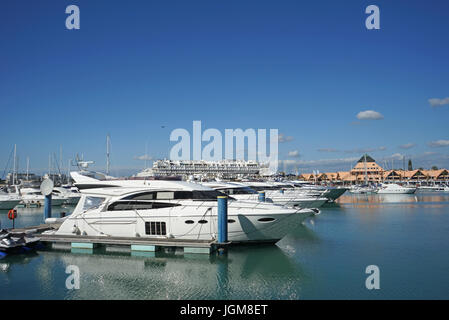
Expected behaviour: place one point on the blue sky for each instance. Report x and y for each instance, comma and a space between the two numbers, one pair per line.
305, 67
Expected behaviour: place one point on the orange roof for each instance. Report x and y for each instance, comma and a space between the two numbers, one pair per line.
435, 173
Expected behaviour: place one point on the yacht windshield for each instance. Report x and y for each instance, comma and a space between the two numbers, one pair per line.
92, 202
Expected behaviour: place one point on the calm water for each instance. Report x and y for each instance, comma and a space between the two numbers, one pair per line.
406, 236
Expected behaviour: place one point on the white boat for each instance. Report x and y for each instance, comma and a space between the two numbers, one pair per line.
8, 201
33, 196
363, 189
331, 193
241, 191
395, 188
72, 194
288, 195
171, 209
433, 188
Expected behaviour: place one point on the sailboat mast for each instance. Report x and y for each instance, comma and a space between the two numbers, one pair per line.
28, 166
68, 171
60, 157
107, 154
146, 155
49, 165
14, 173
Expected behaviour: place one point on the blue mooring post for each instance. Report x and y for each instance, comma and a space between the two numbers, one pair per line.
262, 196
47, 207
222, 219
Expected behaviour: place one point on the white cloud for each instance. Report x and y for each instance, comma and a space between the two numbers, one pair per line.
366, 150
294, 153
143, 157
369, 115
321, 162
396, 156
436, 102
327, 150
407, 146
284, 138
439, 143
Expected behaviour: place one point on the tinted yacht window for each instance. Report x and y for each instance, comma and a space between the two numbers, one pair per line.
244, 190
209, 195
139, 205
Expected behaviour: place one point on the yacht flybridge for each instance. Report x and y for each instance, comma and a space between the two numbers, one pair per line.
171, 209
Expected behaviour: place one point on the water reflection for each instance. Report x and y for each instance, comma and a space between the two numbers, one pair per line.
250, 272
379, 199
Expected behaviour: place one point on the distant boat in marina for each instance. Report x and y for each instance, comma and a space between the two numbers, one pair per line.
33, 196
363, 189
242, 191
71, 194
8, 201
434, 188
395, 188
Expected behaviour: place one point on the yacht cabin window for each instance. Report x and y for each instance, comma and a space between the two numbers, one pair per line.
203, 195
139, 205
242, 190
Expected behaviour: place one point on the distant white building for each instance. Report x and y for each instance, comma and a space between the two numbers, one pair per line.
226, 169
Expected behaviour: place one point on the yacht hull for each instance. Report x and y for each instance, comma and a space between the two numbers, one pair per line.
194, 224
8, 204
41, 201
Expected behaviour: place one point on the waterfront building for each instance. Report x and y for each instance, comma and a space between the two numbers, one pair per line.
367, 170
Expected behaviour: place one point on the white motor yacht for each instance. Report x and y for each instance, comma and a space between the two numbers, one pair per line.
288, 196
34, 196
171, 209
332, 193
8, 201
396, 189
432, 188
241, 191
360, 189
72, 194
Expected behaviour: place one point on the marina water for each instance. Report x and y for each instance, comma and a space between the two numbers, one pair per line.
406, 236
